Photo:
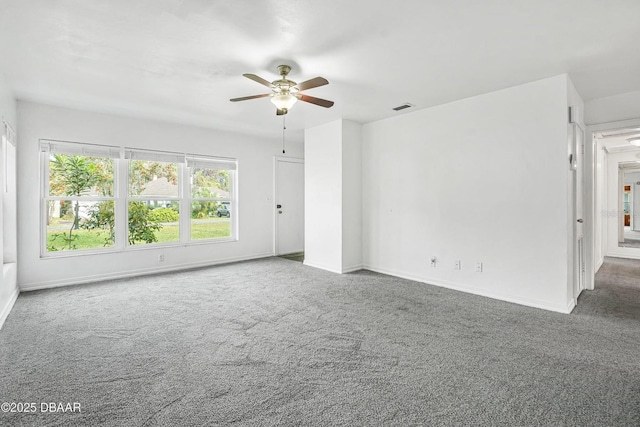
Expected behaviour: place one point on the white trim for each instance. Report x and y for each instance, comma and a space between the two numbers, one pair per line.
277, 159
7, 308
51, 146
322, 267
160, 156
9, 274
598, 265
9, 132
325, 267
481, 292
28, 287
352, 268
622, 254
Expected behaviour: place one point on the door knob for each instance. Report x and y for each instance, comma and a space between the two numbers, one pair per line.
580, 220
279, 212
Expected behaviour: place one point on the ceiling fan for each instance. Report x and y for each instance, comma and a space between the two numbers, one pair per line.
285, 92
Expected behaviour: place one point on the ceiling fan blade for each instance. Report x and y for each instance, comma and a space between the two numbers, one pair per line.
244, 98
310, 84
317, 101
281, 111
258, 79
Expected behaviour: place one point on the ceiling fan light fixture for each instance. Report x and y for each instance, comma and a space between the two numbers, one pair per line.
285, 93
283, 100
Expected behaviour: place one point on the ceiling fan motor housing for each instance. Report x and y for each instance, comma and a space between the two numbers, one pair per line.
284, 70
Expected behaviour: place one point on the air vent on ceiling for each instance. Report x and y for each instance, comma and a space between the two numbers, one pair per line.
403, 106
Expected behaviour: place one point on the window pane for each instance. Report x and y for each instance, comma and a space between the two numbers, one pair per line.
78, 224
210, 183
153, 178
154, 221
210, 220
80, 176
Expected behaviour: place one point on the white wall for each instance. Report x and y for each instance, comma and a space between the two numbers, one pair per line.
323, 196
333, 196
600, 205
255, 210
478, 180
8, 284
612, 108
351, 196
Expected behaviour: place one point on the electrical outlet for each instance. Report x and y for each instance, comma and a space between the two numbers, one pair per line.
433, 261
478, 267
457, 266
161, 258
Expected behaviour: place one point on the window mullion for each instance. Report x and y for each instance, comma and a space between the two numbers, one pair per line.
122, 193
234, 204
185, 204
44, 201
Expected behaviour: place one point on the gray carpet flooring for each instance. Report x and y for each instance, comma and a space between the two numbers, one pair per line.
273, 342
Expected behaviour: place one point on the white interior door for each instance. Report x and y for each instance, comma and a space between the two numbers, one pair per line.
579, 200
289, 206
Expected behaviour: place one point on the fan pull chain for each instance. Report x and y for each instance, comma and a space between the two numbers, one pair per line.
284, 127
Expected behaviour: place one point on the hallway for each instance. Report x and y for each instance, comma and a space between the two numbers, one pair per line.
617, 291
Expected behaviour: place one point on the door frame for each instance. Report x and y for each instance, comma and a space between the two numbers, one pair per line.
276, 161
578, 208
590, 190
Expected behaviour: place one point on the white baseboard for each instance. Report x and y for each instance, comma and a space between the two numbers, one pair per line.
481, 292
27, 287
332, 269
598, 265
4, 313
321, 267
620, 254
352, 268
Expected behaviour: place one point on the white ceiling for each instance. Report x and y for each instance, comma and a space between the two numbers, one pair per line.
181, 60
618, 140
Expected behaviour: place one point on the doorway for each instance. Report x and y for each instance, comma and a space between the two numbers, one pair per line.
289, 207
629, 225
617, 190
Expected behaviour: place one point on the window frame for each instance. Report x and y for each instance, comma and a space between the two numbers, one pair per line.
121, 198
160, 156
232, 166
46, 197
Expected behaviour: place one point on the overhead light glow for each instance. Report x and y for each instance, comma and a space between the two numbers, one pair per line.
635, 141
283, 100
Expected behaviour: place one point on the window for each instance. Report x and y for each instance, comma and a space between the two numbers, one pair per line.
99, 198
211, 196
153, 202
79, 202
